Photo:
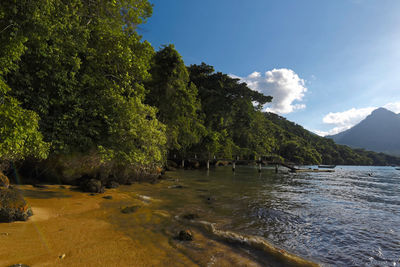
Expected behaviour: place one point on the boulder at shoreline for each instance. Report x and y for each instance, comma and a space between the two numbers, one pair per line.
4, 182
13, 206
92, 186
185, 235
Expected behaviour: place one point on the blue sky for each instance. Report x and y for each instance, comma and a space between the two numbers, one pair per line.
327, 63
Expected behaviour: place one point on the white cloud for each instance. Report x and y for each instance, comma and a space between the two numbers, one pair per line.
346, 119
332, 131
320, 133
394, 106
284, 85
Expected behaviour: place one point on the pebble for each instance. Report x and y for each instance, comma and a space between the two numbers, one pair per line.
185, 235
130, 209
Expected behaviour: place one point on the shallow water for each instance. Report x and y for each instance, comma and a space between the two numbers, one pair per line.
347, 218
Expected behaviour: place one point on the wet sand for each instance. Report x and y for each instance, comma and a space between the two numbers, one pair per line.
71, 228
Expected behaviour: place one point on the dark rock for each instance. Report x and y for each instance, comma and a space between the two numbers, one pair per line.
4, 182
19, 265
185, 235
112, 184
82, 180
92, 186
130, 209
13, 206
107, 197
190, 216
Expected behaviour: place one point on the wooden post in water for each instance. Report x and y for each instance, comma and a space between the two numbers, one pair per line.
233, 166
208, 164
259, 164
183, 163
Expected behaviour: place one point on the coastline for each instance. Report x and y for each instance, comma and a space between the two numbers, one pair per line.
68, 229
71, 228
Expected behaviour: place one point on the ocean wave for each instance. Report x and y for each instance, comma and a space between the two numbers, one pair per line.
279, 256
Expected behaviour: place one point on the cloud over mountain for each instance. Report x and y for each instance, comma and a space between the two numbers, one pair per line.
344, 120
284, 85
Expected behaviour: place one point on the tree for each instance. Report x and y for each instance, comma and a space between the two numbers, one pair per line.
82, 70
19, 135
175, 97
232, 111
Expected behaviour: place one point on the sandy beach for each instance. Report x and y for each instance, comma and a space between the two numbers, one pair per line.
71, 228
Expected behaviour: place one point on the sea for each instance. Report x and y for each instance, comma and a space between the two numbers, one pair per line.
350, 217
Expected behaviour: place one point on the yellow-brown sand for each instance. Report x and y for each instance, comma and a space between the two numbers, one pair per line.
70, 228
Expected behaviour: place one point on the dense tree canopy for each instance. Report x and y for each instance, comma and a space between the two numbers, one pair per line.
171, 91
230, 111
19, 135
81, 68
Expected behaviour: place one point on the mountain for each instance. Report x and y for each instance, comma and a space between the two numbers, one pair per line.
297, 144
379, 131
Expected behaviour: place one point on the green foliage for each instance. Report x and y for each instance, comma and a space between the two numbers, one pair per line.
234, 124
81, 67
176, 99
19, 135
136, 137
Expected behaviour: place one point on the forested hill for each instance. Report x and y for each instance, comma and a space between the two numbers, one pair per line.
379, 131
78, 85
326, 149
